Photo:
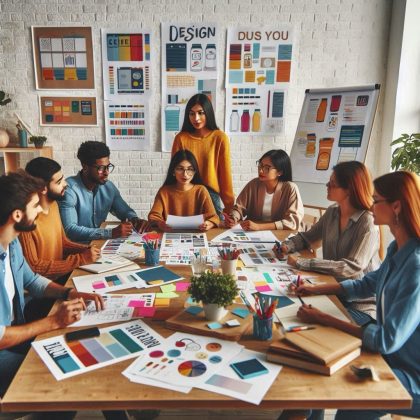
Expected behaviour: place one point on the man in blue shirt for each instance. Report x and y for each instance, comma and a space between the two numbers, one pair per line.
90, 196
19, 207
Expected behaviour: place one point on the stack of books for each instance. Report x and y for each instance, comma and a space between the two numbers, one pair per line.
323, 350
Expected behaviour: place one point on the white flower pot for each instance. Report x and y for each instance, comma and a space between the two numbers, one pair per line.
4, 137
213, 312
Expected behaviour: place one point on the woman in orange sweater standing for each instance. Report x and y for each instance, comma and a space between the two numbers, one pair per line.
210, 147
183, 194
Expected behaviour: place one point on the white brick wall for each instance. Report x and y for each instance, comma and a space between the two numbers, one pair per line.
338, 43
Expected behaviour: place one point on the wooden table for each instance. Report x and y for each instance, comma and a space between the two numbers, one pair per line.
35, 389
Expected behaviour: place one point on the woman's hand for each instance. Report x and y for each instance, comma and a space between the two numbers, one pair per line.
281, 251
309, 314
229, 221
206, 225
164, 227
249, 225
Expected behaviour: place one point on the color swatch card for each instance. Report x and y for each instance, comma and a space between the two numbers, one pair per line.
177, 248
238, 235
185, 359
189, 66
148, 277
114, 344
227, 382
118, 308
130, 247
127, 63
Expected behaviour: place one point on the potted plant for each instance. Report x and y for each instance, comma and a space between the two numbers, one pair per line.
38, 141
215, 291
4, 136
407, 155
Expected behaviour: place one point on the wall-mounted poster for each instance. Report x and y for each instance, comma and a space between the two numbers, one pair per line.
68, 110
189, 66
334, 126
63, 57
127, 125
258, 66
126, 57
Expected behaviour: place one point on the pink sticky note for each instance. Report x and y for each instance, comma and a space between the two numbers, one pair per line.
182, 286
146, 312
265, 288
98, 285
136, 304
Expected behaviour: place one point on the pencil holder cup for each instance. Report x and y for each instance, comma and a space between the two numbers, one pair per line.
198, 265
229, 267
263, 328
151, 256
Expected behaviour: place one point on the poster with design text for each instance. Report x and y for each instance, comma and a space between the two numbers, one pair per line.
334, 126
258, 68
127, 58
189, 66
127, 125
63, 57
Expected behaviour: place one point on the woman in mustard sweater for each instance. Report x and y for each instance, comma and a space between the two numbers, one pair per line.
210, 147
183, 194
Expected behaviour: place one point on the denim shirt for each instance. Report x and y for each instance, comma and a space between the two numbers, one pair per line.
82, 211
396, 333
24, 278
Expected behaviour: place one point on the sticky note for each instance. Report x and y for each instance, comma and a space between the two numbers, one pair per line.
214, 325
168, 288
194, 310
136, 303
162, 302
98, 285
265, 288
155, 282
241, 312
146, 312
168, 295
233, 323
182, 286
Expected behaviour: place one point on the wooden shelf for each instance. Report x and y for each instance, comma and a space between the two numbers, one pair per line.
11, 155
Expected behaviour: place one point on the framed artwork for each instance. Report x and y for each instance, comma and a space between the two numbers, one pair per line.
68, 111
63, 57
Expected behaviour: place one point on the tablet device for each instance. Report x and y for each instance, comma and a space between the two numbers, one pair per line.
249, 368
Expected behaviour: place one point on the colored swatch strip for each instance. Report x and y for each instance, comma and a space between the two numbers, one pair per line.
283, 71
284, 52
126, 47
126, 122
128, 132
122, 114
108, 346
235, 51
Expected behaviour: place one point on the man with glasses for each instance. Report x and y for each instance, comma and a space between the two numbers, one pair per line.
90, 196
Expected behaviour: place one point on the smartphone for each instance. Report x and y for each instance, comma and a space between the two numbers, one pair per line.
81, 334
249, 368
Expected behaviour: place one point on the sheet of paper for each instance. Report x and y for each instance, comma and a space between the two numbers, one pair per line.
242, 236
185, 222
118, 308
114, 344
226, 381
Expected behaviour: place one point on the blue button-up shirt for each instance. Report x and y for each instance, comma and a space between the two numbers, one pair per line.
396, 333
24, 278
82, 211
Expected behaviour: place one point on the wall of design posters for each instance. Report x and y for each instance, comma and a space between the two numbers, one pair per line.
189, 66
334, 126
258, 66
63, 57
127, 57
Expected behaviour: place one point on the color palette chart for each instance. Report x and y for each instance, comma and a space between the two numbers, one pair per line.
189, 66
127, 125
184, 359
127, 63
258, 69
114, 344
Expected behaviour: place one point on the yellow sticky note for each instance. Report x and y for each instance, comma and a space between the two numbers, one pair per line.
260, 283
155, 282
162, 302
168, 288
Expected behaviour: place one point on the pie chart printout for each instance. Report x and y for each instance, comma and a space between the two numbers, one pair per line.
192, 368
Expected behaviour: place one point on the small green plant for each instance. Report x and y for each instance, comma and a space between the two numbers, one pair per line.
38, 141
4, 98
212, 287
407, 155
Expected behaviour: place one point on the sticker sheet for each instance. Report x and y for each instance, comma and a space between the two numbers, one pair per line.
258, 70
189, 66
114, 344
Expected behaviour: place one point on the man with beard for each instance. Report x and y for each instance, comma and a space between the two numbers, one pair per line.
47, 249
90, 197
19, 207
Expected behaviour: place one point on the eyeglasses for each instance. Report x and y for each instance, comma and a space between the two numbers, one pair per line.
102, 168
188, 171
375, 201
265, 168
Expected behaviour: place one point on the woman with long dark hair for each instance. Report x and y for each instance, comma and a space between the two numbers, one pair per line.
210, 147
183, 194
272, 198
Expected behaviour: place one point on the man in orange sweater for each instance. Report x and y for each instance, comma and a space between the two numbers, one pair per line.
47, 249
